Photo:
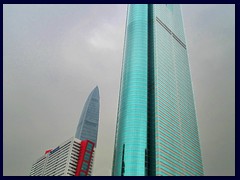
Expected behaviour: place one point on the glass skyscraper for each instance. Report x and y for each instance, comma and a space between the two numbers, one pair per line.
156, 132
88, 124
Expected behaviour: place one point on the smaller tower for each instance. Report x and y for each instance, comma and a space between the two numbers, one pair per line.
75, 156
88, 123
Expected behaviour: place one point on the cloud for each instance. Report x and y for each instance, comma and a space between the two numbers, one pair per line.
103, 37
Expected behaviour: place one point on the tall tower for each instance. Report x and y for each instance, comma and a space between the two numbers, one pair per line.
75, 156
156, 132
88, 124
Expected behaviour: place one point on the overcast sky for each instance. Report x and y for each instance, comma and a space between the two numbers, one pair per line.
54, 55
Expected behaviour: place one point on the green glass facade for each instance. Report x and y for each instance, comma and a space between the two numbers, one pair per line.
156, 132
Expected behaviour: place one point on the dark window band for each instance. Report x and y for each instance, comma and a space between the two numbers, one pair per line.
170, 32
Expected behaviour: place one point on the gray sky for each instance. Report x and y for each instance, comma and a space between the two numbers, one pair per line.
54, 55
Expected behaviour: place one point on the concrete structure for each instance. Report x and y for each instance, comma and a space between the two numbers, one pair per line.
71, 158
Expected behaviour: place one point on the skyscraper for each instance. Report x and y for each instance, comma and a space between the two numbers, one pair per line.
156, 132
75, 156
88, 124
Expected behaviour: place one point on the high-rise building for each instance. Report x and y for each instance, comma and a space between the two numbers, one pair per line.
75, 156
156, 132
88, 124
71, 158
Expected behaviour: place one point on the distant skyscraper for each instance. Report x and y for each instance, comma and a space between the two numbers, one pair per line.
156, 132
88, 124
75, 156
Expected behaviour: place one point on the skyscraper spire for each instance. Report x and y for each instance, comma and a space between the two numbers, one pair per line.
87, 128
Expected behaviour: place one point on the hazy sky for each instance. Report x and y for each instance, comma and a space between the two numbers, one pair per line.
54, 55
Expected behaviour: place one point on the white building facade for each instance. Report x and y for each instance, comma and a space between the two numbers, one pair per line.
72, 158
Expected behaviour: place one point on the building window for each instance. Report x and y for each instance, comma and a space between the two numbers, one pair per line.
82, 174
87, 156
84, 166
89, 147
